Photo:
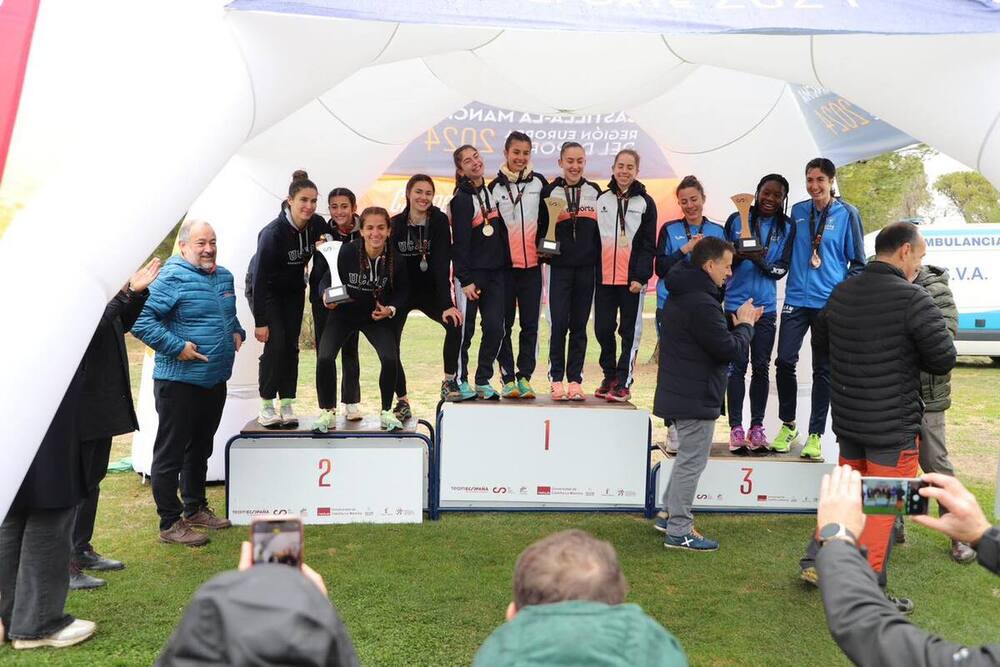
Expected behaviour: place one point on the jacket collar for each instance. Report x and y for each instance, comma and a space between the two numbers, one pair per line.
636, 188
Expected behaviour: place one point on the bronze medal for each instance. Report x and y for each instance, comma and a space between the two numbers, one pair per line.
815, 260
487, 229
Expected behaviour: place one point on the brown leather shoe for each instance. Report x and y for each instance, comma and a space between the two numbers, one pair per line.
205, 518
962, 553
181, 533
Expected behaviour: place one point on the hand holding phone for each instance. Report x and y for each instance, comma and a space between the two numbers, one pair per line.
893, 495
277, 540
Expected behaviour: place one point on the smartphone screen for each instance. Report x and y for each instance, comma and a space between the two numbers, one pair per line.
892, 495
277, 541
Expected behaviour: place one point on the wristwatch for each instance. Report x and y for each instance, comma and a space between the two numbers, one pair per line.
835, 531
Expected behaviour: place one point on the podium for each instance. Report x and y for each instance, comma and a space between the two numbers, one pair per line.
356, 473
542, 455
754, 483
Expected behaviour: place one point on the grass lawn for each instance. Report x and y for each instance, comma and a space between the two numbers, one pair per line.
430, 594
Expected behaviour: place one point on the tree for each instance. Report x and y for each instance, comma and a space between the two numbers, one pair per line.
974, 196
886, 188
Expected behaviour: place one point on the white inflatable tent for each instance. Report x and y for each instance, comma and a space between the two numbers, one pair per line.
137, 111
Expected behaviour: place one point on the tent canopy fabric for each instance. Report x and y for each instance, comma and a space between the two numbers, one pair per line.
158, 109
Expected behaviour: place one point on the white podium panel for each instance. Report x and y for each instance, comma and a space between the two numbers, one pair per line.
751, 484
326, 480
542, 455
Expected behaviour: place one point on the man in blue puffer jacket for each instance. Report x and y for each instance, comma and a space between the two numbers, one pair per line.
190, 320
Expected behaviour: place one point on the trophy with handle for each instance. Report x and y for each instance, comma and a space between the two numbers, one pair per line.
747, 245
336, 292
549, 246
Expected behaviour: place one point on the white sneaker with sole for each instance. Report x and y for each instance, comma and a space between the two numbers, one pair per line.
74, 633
268, 417
288, 418
352, 412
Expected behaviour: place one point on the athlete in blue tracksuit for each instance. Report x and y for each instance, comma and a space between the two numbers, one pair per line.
755, 277
678, 237
828, 246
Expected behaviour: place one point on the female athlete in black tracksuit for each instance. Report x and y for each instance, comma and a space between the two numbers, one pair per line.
571, 277
481, 258
422, 237
343, 226
284, 248
375, 278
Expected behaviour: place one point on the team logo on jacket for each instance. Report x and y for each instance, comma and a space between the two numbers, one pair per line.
297, 255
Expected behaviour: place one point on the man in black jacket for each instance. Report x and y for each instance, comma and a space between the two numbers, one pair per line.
691, 381
866, 626
106, 410
882, 330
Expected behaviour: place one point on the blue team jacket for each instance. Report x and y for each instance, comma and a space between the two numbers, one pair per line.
841, 250
188, 304
668, 249
750, 280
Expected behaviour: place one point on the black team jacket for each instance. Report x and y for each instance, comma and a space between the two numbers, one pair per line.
432, 241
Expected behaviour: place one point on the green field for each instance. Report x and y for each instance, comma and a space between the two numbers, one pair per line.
430, 594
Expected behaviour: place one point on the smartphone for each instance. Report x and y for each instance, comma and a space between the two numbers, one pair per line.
893, 495
277, 540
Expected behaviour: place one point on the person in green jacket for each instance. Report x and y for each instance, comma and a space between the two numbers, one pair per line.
568, 609
935, 390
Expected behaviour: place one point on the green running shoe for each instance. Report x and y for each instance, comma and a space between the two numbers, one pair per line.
452, 391
388, 421
487, 393
785, 439
813, 449
510, 390
325, 422
524, 389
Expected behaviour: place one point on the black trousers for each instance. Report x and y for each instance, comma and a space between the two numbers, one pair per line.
795, 321
452, 337
336, 332
490, 307
571, 295
278, 373
350, 382
758, 356
95, 454
615, 306
189, 416
523, 299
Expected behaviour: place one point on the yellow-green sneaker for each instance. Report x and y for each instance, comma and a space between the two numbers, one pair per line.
510, 390
389, 422
813, 449
325, 422
785, 439
524, 389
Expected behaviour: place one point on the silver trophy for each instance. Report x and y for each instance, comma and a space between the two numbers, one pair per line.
336, 292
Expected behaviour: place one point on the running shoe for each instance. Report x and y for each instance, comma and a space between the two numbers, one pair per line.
288, 418
757, 439
402, 411
619, 394
787, 436
468, 390
813, 449
606, 386
452, 391
576, 392
352, 412
268, 417
524, 389
326, 421
558, 392
737, 440
388, 421
509, 390
693, 541
486, 392
660, 524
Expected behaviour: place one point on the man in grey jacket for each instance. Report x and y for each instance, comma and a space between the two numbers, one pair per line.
866, 626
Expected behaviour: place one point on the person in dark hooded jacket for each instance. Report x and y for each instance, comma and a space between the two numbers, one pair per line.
264, 614
691, 379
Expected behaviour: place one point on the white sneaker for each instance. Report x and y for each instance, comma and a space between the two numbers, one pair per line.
288, 418
352, 412
74, 633
268, 417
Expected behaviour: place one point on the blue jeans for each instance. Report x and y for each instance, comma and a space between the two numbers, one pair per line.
795, 321
759, 354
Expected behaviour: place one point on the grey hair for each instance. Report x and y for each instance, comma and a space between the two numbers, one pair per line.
184, 234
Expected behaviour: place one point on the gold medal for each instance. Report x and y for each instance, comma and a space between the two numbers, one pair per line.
815, 260
487, 229
622, 241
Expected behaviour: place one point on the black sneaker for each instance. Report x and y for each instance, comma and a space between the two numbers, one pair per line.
402, 411
903, 605
80, 581
91, 560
